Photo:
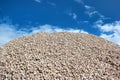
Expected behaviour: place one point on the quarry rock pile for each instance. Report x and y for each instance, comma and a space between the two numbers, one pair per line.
60, 56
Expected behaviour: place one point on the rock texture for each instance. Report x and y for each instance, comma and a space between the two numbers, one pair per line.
60, 56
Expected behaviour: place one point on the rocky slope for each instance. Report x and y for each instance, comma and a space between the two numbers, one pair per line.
60, 56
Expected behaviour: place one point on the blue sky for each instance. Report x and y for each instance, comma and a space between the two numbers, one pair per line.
25, 17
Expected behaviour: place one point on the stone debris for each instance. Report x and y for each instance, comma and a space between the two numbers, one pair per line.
60, 56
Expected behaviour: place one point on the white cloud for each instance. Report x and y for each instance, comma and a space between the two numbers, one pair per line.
79, 1
9, 32
51, 3
50, 28
73, 15
87, 7
110, 31
90, 11
39, 1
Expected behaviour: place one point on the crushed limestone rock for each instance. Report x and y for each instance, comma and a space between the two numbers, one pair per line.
60, 56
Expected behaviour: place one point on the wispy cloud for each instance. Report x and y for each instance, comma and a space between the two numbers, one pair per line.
9, 32
50, 28
91, 12
39, 1
87, 7
110, 31
79, 1
51, 3
73, 15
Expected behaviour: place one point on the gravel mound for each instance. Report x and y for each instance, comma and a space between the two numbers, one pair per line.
60, 56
